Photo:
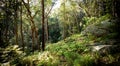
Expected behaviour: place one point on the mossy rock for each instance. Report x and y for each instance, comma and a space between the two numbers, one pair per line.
99, 29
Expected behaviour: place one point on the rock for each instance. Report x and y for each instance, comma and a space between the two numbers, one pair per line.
95, 48
105, 25
104, 49
94, 30
98, 30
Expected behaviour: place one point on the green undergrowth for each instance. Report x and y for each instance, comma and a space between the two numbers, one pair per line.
95, 20
68, 52
73, 51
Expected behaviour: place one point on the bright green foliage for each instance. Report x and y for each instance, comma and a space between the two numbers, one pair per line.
72, 51
48, 59
73, 32
10, 54
68, 52
85, 60
38, 59
95, 20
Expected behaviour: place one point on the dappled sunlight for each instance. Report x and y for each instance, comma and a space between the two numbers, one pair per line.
59, 33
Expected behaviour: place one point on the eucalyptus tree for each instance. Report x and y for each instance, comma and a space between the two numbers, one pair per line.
43, 25
21, 25
9, 21
70, 16
9, 13
32, 14
49, 4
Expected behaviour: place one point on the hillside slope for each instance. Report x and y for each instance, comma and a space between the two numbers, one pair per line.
95, 45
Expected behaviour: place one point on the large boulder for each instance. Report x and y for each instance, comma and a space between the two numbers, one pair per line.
100, 29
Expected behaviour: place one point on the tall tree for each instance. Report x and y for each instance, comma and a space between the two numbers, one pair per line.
15, 19
43, 30
64, 30
32, 22
48, 10
21, 27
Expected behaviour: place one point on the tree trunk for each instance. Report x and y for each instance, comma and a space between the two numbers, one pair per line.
22, 37
46, 29
46, 24
16, 26
43, 34
64, 31
33, 27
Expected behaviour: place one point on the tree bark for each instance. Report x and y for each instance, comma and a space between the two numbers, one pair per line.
46, 24
46, 29
64, 31
43, 34
16, 26
33, 27
22, 37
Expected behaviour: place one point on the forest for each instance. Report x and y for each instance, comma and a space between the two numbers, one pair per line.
59, 32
